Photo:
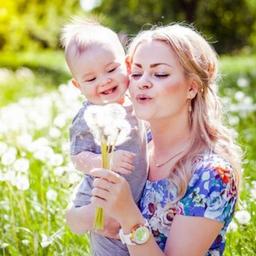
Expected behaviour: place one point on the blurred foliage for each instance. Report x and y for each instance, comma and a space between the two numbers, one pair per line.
34, 25
229, 23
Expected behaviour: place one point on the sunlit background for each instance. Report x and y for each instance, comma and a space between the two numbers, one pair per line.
37, 104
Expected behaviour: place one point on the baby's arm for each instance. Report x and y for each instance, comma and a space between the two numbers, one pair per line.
122, 161
80, 216
85, 161
81, 219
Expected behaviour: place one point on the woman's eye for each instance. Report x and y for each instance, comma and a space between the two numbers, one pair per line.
161, 75
135, 75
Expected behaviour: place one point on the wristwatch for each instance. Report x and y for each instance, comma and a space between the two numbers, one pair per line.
139, 234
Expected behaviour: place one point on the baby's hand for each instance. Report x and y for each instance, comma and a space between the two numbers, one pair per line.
122, 161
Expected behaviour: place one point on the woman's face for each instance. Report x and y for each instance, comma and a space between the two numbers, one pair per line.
158, 86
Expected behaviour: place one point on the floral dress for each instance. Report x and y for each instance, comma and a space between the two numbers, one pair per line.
211, 193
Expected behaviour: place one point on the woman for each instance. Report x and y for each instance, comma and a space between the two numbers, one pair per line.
193, 180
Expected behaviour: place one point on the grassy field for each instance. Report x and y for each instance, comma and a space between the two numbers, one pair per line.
37, 179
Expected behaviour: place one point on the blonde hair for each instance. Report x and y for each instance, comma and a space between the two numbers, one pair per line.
80, 35
199, 62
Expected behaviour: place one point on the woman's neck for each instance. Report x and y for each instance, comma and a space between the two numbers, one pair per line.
169, 134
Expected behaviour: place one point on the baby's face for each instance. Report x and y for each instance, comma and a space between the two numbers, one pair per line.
101, 74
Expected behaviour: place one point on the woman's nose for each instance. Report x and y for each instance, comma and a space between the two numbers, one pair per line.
145, 84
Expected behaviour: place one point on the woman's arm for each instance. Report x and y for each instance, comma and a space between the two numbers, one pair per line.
191, 236
188, 235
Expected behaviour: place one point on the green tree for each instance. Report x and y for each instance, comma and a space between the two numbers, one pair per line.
231, 24
33, 24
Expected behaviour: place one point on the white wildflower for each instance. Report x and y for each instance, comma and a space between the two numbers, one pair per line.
22, 182
10, 176
73, 177
24, 73
56, 159
253, 193
108, 120
54, 133
60, 120
24, 140
51, 195
232, 227
239, 95
21, 165
3, 147
243, 82
46, 241
9, 156
44, 153
59, 171
25, 242
243, 217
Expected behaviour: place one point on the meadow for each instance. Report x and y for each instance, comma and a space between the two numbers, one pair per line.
37, 103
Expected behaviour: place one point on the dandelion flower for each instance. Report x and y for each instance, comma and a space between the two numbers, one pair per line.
243, 217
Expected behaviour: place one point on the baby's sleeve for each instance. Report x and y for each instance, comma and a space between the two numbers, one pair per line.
211, 193
83, 193
81, 138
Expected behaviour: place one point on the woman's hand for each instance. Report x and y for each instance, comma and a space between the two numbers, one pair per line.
112, 192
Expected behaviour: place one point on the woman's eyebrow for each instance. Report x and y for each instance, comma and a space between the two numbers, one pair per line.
152, 65
157, 64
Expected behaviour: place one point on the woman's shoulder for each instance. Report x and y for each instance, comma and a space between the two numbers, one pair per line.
211, 164
213, 176
212, 190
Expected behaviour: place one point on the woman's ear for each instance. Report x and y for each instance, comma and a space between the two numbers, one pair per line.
75, 83
192, 89
128, 64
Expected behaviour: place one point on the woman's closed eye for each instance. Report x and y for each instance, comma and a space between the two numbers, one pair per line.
136, 75
161, 75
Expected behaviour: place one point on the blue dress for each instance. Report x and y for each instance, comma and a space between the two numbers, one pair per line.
211, 193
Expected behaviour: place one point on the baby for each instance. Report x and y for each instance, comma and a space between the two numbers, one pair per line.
96, 60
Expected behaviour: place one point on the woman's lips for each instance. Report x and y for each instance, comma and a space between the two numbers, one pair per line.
143, 98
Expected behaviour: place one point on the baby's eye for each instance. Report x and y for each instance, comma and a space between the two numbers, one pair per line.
161, 75
112, 70
90, 79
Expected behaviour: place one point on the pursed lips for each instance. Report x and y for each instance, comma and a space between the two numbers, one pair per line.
143, 98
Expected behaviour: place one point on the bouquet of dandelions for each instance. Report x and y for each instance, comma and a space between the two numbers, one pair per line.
109, 128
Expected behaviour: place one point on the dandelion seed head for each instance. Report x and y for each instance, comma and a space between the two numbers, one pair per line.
21, 165
51, 194
243, 217
9, 156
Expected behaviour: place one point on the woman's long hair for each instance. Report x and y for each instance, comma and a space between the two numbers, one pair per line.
199, 62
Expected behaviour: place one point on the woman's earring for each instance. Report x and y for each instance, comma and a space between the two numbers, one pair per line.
190, 108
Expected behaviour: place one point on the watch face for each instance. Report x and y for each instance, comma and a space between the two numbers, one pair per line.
141, 235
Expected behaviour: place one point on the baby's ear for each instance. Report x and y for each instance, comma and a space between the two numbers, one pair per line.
128, 64
75, 83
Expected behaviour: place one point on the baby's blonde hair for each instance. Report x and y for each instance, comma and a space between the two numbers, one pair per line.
199, 62
81, 34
